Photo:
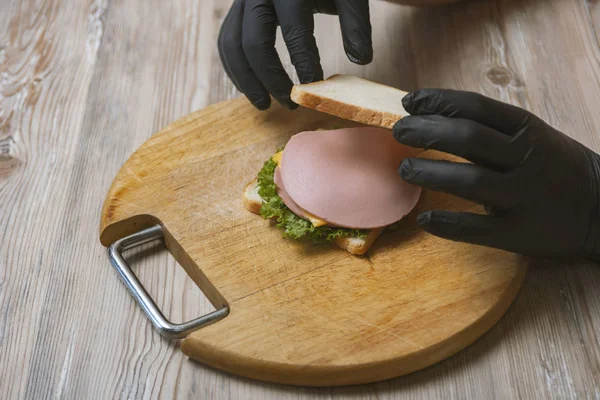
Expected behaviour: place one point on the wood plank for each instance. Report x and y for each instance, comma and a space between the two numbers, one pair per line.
47, 51
145, 78
59, 334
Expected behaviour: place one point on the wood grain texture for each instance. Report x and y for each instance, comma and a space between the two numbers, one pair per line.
304, 315
107, 74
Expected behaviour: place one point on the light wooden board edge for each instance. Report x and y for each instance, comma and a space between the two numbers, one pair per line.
290, 374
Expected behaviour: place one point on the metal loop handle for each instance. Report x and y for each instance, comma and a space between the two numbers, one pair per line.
137, 290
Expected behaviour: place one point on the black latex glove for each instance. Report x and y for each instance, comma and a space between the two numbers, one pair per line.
247, 43
541, 188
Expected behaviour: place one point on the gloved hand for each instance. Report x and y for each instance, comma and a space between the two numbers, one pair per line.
541, 188
247, 43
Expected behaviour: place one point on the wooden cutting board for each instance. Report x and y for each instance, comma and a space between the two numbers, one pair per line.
301, 314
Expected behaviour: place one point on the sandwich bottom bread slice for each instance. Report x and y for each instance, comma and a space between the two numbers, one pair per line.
346, 181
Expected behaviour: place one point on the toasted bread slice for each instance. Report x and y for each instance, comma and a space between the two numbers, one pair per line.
353, 98
357, 246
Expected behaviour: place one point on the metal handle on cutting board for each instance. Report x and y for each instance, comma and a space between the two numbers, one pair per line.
137, 290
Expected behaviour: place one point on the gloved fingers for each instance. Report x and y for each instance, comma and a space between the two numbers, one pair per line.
234, 60
462, 137
468, 181
258, 40
297, 26
472, 228
355, 24
497, 115
325, 7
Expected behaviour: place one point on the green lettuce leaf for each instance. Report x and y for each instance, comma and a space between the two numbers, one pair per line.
293, 226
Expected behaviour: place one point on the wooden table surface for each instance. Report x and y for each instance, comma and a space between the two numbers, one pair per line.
84, 83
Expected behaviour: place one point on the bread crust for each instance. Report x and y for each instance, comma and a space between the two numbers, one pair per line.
340, 109
356, 246
249, 200
359, 246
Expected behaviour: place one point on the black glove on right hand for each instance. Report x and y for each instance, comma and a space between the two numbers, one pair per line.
541, 188
247, 43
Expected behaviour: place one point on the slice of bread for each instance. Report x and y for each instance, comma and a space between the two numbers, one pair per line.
357, 246
353, 98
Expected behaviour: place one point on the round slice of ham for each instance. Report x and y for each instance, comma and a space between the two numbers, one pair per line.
348, 177
287, 200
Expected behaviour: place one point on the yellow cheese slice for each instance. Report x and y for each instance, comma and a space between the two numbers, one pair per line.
314, 220
277, 157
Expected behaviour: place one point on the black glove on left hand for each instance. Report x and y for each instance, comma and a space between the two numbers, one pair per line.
540, 187
247, 43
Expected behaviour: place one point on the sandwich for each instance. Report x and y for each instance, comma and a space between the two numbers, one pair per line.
338, 185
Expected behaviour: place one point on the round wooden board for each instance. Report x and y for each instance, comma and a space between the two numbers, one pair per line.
301, 314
